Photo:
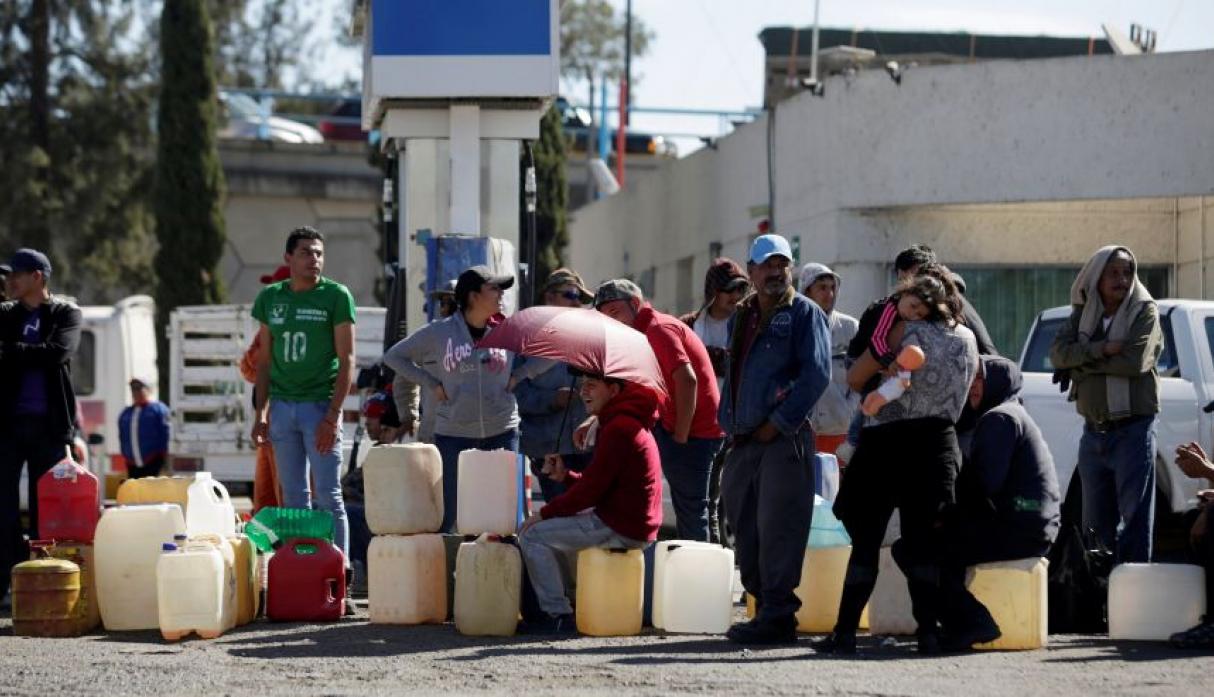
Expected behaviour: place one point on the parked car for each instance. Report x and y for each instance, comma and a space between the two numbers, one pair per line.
575, 121
242, 117
1186, 385
344, 121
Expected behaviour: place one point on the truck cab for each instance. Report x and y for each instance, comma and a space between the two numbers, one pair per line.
1186, 386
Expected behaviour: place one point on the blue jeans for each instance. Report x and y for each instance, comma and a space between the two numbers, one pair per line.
544, 544
449, 448
360, 532
688, 467
1117, 472
853, 429
293, 436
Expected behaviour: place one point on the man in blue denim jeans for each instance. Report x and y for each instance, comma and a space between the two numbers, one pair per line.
305, 366
1108, 351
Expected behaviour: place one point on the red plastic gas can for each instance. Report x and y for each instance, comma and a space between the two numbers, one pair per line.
68, 503
307, 582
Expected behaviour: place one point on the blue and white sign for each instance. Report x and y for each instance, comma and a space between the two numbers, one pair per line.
454, 49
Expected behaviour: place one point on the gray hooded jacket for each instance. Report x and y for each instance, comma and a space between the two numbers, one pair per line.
443, 353
834, 411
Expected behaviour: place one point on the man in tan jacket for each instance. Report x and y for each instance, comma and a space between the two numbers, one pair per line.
1108, 350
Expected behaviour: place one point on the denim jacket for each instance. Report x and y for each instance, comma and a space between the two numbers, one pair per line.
541, 422
785, 371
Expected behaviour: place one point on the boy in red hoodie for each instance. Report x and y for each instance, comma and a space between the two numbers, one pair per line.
615, 503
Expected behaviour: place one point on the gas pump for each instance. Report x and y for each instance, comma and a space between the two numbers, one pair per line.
455, 88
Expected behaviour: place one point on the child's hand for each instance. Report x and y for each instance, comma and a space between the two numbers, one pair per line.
554, 468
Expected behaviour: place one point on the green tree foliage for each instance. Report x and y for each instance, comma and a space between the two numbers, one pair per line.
592, 40
592, 44
552, 191
189, 190
76, 143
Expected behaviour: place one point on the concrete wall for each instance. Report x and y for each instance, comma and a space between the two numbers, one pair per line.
1001, 163
275, 187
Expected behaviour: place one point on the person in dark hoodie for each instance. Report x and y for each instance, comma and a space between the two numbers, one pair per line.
622, 484
1008, 502
39, 334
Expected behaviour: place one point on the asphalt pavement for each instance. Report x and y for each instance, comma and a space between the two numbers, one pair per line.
353, 657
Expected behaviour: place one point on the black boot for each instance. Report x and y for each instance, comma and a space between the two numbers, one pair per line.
929, 643
964, 639
765, 631
837, 643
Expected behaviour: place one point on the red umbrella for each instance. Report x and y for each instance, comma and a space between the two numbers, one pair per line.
587, 340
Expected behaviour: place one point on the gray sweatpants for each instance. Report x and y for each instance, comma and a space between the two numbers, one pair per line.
547, 541
768, 493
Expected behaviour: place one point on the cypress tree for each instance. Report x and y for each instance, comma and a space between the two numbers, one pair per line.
189, 189
552, 202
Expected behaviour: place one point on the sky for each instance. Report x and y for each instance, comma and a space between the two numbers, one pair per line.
706, 53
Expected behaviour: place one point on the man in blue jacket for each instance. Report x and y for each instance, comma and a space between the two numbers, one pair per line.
548, 403
779, 365
143, 432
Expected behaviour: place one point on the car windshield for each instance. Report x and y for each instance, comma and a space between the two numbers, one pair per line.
1037, 357
242, 105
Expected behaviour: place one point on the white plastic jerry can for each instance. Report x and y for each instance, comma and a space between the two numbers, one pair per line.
127, 548
404, 489
697, 589
407, 579
190, 587
661, 553
1151, 602
488, 492
488, 587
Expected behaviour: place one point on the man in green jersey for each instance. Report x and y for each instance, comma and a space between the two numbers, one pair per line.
305, 366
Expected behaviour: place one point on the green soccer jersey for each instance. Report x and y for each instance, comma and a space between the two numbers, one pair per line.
303, 362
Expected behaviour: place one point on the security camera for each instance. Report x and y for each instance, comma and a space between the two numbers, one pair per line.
895, 71
815, 87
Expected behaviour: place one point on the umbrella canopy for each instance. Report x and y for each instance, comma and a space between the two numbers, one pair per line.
587, 340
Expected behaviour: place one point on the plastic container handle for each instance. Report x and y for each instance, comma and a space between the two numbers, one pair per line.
219, 494
305, 546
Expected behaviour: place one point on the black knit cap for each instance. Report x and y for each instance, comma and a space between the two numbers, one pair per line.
724, 274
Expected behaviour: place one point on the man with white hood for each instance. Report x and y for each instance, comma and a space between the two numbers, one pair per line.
833, 413
1107, 351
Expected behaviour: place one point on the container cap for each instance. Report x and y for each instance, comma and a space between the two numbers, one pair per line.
180, 536
168, 547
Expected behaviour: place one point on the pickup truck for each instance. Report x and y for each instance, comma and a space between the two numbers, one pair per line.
1186, 385
212, 404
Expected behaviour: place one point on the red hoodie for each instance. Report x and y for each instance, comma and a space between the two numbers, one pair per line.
623, 483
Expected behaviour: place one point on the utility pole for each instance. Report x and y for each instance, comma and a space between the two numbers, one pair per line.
627, 63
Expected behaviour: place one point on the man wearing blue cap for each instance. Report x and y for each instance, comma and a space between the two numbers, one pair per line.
38, 337
779, 365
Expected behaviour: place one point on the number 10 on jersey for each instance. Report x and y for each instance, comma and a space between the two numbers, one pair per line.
294, 347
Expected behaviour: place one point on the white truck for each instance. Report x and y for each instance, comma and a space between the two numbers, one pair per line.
212, 403
1186, 385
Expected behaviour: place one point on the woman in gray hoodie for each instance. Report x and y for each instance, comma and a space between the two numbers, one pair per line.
475, 409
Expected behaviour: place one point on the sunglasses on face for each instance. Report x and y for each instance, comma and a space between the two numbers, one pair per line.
571, 295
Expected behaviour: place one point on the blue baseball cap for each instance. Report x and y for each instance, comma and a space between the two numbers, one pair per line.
30, 260
769, 245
